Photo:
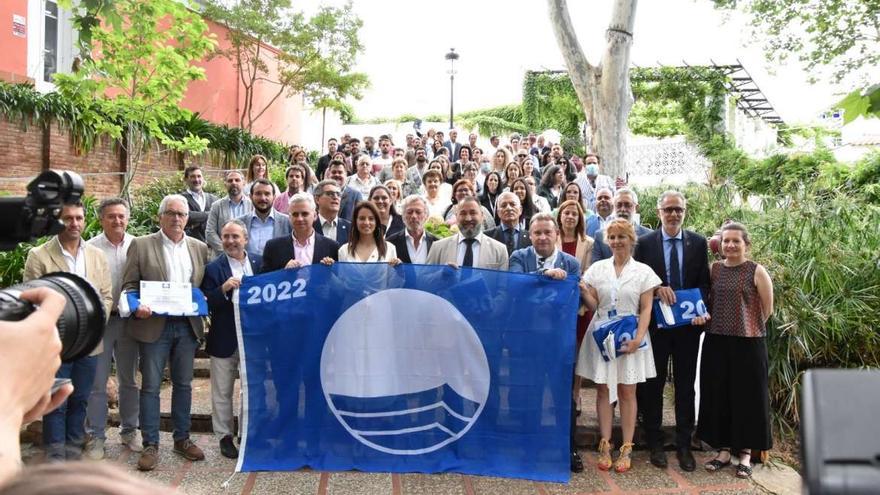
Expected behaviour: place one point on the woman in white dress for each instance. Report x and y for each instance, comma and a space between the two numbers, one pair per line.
626, 286
366, 243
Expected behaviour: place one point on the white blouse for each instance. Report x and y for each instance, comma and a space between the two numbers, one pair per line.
390, 254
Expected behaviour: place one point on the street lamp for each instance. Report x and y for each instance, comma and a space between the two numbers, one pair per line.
452, 57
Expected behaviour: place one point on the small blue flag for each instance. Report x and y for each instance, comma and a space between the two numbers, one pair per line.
688, 305
414, 368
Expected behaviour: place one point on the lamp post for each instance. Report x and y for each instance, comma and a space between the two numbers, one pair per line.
452, 57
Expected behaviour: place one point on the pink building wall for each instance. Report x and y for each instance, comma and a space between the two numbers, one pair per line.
13, 62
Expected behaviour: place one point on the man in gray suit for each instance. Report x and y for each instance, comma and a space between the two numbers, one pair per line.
626, 206
167, 256
470, 247
232, 206
198, 200
264, 223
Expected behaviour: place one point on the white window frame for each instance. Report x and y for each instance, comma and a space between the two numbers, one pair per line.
66, 43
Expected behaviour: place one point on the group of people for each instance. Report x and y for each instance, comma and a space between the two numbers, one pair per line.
586, 227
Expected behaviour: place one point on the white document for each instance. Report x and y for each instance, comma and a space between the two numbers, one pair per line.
667, 313
167, 297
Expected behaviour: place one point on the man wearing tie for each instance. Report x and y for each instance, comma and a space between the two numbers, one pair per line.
167, 256
470, 247
509, 233
680, 258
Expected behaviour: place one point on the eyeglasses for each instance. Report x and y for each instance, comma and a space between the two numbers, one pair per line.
330, 194
178, 214
672, 209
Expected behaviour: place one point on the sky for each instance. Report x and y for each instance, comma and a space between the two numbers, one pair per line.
498, 41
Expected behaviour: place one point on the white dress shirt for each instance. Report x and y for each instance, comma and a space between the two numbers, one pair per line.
241, 268
116, 256
177, 259
76, 263
328, 227
417, 255
199, 197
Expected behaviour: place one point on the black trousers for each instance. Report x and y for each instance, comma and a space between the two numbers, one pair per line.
682, 344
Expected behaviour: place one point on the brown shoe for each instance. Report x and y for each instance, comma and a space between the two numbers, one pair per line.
189, 450
149, 458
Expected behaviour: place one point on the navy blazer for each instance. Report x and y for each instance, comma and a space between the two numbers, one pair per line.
601, 251
594, 226
695, 267
279, 251
350, 198
526, 261
396, 226
522, 242
221, 340
343, 227
399, 241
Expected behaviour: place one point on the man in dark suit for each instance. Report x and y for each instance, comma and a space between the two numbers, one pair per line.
166, 256
222, 277
509, 232
305, 246
680, 258
604, 211
324, 161
350, 196
452, 146
413, 243
328, 221
626, 206
198, 200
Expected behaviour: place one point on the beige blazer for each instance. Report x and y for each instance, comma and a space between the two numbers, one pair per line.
48, 259
146, 261
583, 253
493, 254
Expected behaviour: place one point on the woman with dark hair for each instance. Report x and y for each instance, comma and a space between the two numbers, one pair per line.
389, 221
492, 187
568, 168
552, 184
528, 169
435, 195
461, 190
365, 242
522, 190
470, 172
572, 192
258, 168
734, 394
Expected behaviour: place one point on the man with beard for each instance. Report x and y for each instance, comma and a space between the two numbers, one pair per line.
470, 247
350, 196
604, 211
264, 223
296, 179
626, 205
509, 210
232, 206
414, 174
199, 201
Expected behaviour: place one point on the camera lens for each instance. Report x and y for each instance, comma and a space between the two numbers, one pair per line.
81, 325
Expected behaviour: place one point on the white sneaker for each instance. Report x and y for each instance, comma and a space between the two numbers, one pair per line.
94, 449
132, 441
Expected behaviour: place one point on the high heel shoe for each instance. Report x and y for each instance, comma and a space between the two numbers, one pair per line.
604, 461
624, 462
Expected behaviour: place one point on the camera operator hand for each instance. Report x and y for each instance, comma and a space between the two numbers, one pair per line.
29, 358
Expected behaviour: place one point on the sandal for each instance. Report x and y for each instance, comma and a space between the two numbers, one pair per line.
624, 462
743, 471
604, 461
717, 464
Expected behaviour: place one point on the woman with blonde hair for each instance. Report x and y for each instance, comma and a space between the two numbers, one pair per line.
616, 287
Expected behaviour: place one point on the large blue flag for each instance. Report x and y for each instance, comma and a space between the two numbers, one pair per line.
408, 369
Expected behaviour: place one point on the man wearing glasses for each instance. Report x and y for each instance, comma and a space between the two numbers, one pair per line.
168, 256
680, 258
328, 222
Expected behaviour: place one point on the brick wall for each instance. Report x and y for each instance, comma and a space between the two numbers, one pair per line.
22, 155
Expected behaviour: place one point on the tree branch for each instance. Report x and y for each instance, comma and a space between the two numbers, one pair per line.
581, 72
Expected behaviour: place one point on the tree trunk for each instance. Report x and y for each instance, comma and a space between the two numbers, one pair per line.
603, 91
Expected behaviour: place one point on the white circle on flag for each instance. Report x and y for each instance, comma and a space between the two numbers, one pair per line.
404, 372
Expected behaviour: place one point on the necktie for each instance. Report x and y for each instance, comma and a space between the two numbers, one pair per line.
674, 269
541, 261
468, 252
508, 240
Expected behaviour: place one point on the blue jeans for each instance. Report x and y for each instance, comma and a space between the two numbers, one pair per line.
124, 350
65, 426
177, 345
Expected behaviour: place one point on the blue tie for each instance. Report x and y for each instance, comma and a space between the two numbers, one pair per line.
674, 269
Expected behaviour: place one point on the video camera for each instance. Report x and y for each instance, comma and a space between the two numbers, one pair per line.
81, 325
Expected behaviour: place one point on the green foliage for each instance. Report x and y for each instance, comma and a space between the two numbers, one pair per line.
861, 103
840, 34
315, 56
436, 226
657, 118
